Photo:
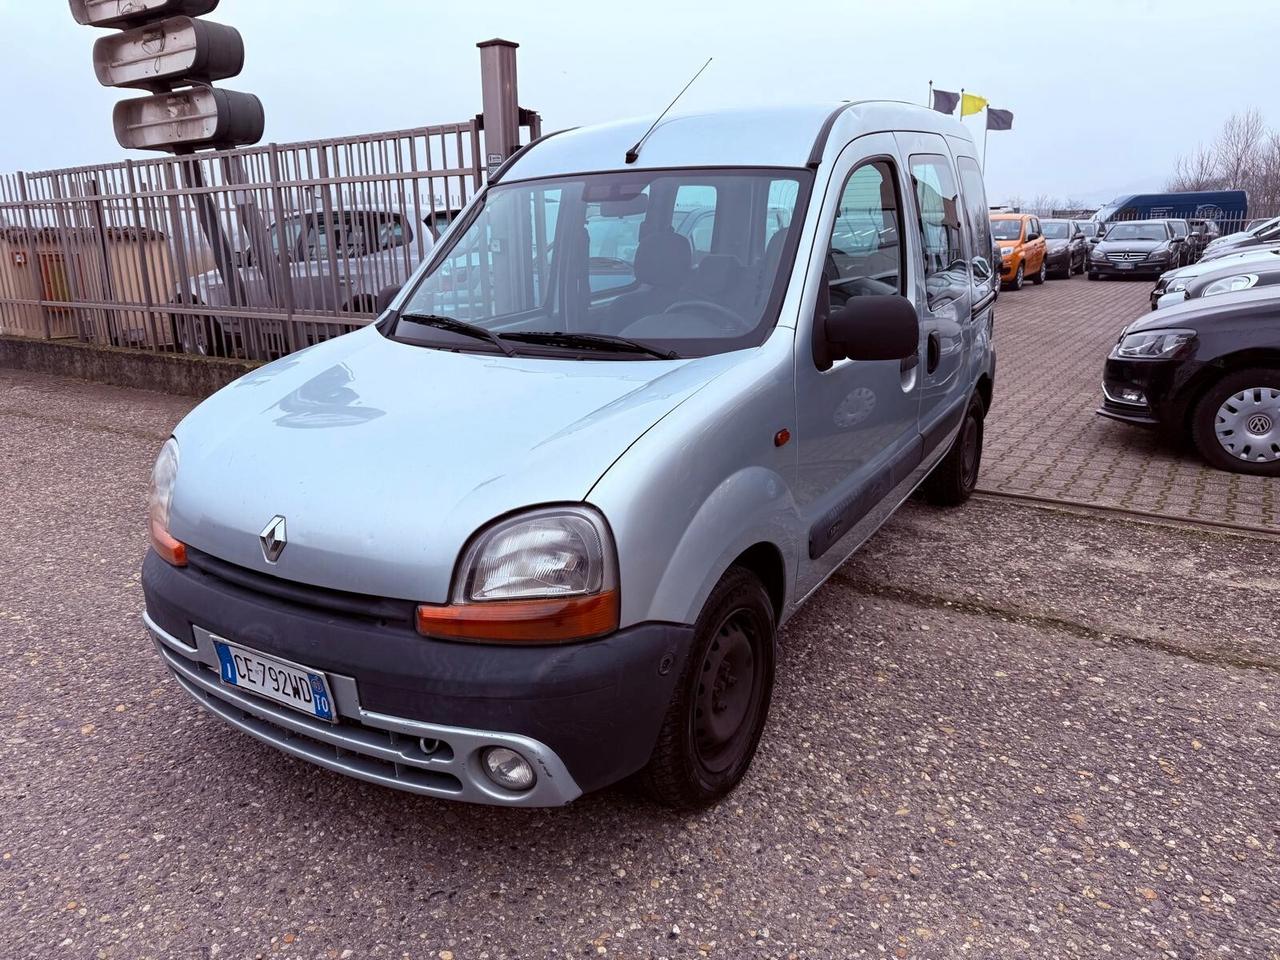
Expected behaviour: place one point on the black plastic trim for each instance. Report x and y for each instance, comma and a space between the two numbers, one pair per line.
824, 134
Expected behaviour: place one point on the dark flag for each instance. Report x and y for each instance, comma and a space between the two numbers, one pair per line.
944, 101
999, 119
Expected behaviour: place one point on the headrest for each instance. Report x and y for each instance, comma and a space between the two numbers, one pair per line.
663, 258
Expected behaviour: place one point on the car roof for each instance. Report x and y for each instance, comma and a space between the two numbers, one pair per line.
1012, 216
773, 136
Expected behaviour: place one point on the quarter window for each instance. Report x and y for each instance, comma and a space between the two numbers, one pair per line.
865, 256
975, 205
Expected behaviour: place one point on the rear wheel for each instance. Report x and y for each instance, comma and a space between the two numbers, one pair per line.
1236, 424
718, 710
953, 480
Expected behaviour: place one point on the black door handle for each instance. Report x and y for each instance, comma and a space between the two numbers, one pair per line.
934, 351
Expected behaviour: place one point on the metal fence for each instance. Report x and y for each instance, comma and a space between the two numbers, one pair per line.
248, 253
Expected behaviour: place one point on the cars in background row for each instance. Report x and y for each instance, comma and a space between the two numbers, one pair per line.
1136, 247
1209, 271
1241, 271
1066, 251
1261, 234
1022, 248
1208, 369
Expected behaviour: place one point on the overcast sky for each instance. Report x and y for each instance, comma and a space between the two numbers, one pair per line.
1105, 93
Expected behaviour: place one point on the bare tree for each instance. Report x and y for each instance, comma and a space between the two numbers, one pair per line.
1198, 171
1237, 148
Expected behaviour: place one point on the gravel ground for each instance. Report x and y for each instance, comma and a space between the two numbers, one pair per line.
1001, 731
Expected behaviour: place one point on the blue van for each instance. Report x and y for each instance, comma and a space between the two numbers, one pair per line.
1229, 209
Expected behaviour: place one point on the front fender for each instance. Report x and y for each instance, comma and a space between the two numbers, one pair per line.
752, 506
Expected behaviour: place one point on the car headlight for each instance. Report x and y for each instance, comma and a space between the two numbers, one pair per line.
1177, 286
1154, 344
1241, 281
164, 476
545, 576
1159, 253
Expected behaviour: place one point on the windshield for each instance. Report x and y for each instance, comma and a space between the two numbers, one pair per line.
692, 262
1179, 228
1056, 229
1006, 229
1138, 231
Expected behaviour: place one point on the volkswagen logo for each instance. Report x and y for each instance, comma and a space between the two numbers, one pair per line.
1259, 425
273, 539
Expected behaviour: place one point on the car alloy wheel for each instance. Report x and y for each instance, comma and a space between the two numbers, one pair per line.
1247, 425
1018, 278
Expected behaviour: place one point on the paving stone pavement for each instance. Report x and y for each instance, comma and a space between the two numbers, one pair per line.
1043, 438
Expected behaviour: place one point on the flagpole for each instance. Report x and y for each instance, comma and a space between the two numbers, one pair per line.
929, 103
985, 138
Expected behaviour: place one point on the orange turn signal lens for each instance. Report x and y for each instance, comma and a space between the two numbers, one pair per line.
170, 550
553, 620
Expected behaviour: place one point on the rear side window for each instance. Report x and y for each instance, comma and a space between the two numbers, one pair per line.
865, 256
975, 206
938, 201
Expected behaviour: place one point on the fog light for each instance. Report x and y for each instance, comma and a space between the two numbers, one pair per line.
1132, 395
508, 769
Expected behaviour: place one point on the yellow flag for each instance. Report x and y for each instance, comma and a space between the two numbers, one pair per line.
972, 104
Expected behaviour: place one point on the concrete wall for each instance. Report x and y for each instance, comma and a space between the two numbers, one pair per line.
170, 373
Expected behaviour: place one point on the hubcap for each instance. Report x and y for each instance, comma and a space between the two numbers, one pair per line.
727, 685
1248, 425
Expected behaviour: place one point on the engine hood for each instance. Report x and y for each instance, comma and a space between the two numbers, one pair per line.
384, 458
1253, 307
1128, 246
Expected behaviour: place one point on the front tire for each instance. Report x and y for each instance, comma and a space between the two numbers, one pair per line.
1043, 272
1018, 278
718, 710
955, 477
1236, 424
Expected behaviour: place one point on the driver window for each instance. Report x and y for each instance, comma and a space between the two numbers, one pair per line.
865, 256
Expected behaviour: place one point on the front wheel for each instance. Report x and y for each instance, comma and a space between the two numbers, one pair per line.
718, 710
955, 477
1018, 278
1042, 273
1236, 424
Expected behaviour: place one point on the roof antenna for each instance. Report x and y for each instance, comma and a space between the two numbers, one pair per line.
634, 153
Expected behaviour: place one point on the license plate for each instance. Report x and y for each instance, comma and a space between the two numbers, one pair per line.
292, 684
1124, 266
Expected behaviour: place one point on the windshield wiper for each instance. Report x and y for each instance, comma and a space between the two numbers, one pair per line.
591, 341
458, 326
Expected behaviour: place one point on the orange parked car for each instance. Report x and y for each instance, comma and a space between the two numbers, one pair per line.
1022, 248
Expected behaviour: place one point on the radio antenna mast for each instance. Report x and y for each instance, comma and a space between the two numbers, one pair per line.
634, 153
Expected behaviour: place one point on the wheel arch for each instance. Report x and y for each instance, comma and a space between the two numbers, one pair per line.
1195, 389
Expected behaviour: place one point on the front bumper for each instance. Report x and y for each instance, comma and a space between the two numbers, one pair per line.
586, 715
1132, 268
1153, 379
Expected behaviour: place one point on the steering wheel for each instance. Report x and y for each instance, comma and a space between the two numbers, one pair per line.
731, 322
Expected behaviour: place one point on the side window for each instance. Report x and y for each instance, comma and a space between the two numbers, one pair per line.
938, 201
613, 233
393, 233
865, 256
694, 216
975, 205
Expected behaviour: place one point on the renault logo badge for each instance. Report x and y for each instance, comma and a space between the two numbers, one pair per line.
273, 539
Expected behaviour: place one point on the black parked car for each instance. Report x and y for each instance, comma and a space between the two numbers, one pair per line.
1186, 252
1203, 233
1135, 247
1209, 368
1066, 249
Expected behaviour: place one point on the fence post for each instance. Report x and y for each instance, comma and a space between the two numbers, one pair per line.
284, 259
501, 101
143, 254
108, 288
32, 262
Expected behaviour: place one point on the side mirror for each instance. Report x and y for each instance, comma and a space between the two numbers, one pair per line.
1195, 234
385, 296
867, 328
